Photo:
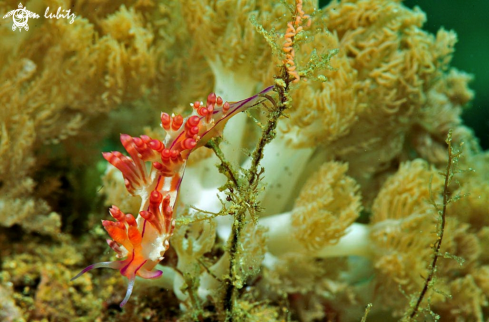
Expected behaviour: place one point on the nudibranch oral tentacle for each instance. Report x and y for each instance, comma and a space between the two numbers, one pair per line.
154, 170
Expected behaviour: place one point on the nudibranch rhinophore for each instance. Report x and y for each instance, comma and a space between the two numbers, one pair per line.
154, 171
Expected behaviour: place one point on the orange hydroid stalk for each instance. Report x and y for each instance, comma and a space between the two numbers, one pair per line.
293, 28
154, 171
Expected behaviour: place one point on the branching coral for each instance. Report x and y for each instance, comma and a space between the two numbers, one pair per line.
46, 99
403, 205
376, 96
63, 76
400, 68
326, 207
239, 56
397, 241
334, 201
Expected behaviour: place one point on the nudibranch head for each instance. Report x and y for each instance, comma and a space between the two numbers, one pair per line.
154, 170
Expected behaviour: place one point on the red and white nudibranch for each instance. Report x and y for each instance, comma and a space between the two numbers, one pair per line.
154, 170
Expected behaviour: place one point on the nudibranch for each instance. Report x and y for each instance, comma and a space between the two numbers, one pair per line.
154, 170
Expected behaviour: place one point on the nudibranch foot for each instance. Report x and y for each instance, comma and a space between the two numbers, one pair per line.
127, 269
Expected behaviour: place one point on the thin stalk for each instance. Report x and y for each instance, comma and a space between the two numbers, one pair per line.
437, 246
231, 290
253, 177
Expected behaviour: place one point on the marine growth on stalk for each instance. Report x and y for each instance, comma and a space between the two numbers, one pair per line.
154, 171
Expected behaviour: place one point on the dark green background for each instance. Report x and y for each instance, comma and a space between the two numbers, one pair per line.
470, 19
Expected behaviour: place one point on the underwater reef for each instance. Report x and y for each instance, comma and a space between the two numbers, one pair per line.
278, 161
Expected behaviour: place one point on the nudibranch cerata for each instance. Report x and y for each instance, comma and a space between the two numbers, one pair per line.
154, 170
